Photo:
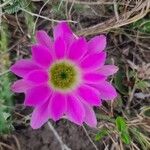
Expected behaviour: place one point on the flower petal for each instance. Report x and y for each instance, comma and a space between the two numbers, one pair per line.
23, 67
36, 96
93, 61
89, 95
63, 30
90, 117
41, 55
43, 38
97, 44
108, 70
93, 77
78, 49
75, 110
20, 86
60, 48
57, 106
107, 91
40, 116
37, 76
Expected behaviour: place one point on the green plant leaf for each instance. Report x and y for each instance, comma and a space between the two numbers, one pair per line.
142, 25
123, 130
5, 104
121, 124
15, 5
6, 115
145, 111
101, 134
119, 83
125, 137
142, 84
2, 122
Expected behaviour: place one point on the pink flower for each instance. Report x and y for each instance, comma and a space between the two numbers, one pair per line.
65, 77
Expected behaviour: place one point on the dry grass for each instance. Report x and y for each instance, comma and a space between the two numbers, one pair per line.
129, 45
127, 16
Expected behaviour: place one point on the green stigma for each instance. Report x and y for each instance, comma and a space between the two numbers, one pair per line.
63, 75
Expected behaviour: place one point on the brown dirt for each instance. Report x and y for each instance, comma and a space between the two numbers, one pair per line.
43, 139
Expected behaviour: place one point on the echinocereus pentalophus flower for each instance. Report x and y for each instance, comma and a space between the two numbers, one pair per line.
65, 77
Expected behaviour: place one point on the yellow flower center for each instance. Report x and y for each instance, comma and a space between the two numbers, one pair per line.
63, 75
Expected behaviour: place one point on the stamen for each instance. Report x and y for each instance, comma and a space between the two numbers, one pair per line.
63, 75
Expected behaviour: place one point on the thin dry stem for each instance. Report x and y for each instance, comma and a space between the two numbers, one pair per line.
104, 2
4, 4
89, 138
17, 142
34, 27
16, 16
43, 17
116, 10
6, 146
63, 146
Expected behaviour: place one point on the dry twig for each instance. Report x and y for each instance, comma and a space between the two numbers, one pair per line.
63, 146
89, 138
43, 17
